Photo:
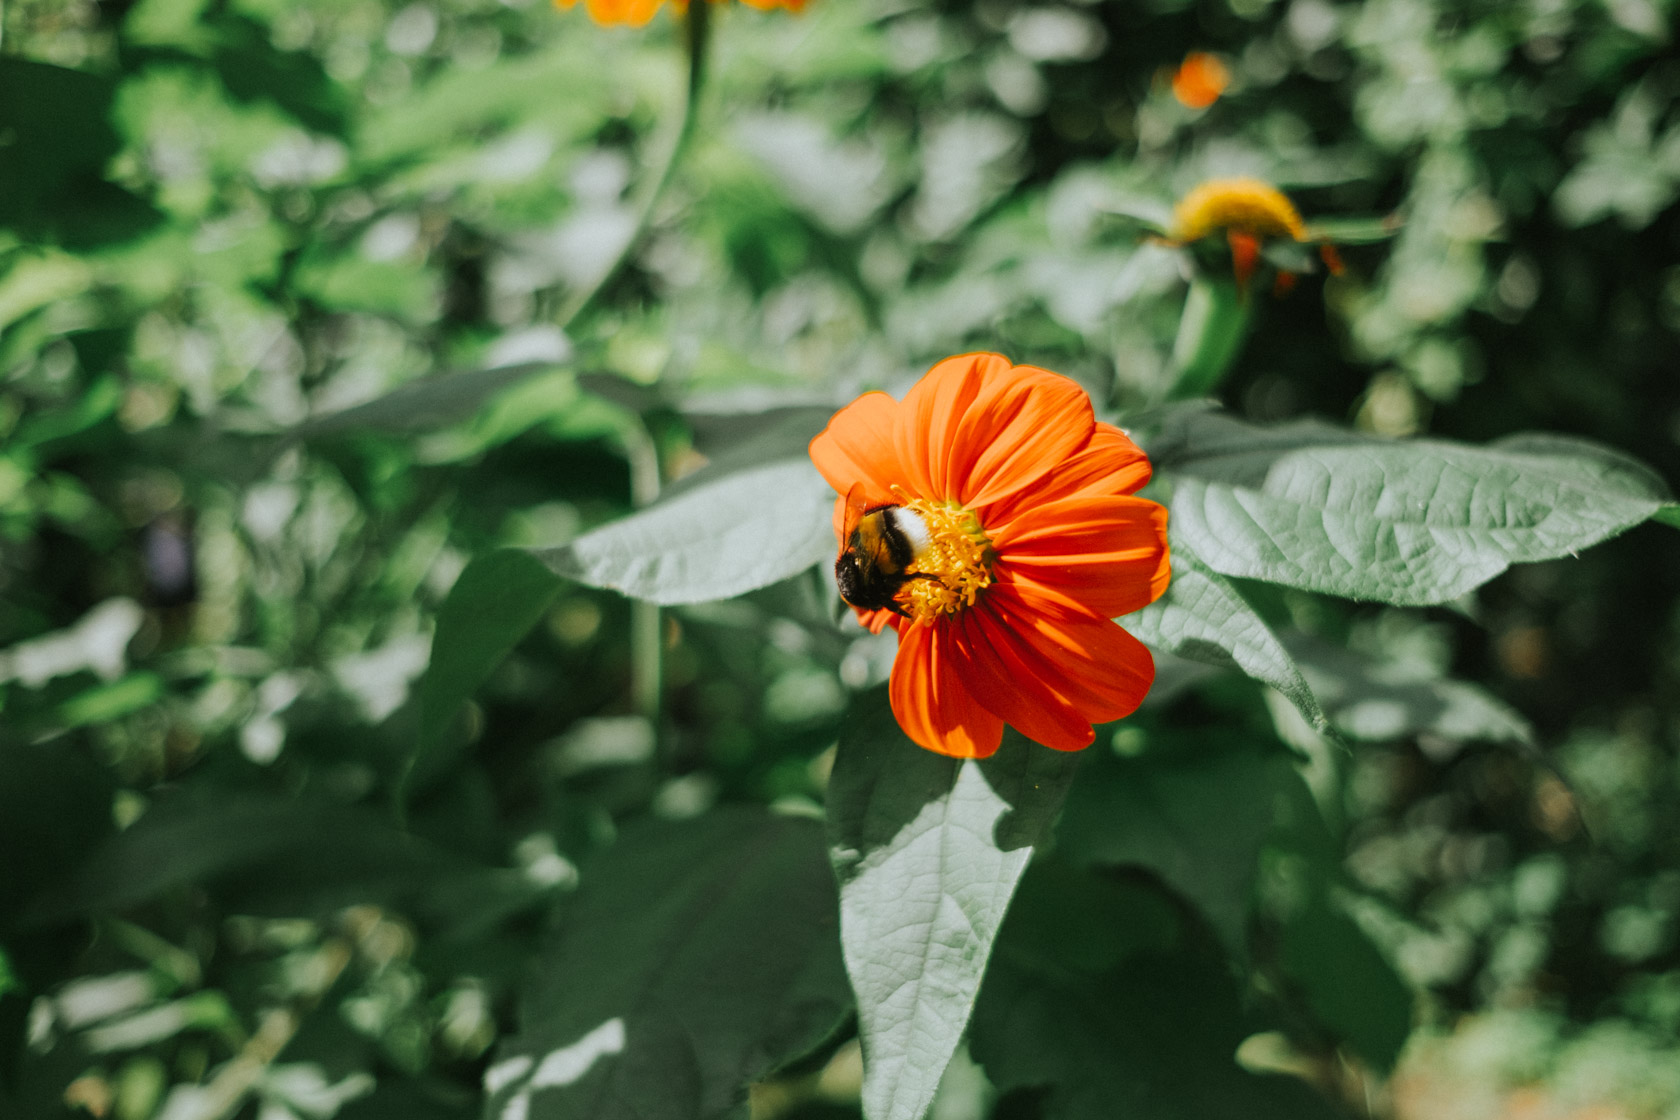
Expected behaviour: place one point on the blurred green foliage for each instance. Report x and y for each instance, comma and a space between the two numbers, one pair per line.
286, 343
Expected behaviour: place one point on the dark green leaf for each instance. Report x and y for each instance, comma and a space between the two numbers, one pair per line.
1341, 977
58, 140
695, 958
1202, 617
1150, 1035
1194, 817
1411, 523
1669, 514
494, 603
272, 855
928, 850
710, 541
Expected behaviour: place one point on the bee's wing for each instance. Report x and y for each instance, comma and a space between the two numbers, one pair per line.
857, 504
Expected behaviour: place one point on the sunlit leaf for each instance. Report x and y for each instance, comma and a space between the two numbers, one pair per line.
928, 851
710, 541
1202, 617
1411, 523
696, 957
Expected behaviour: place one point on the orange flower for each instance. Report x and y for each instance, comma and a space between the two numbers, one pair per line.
636, 13
1200, 79
1251, 213
990, 520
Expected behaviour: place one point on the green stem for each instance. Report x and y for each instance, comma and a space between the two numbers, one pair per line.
646, 641
696, 34
1211, 333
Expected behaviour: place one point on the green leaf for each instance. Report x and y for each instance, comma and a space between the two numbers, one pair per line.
928, 851
430, 402
714, 540
696, 957
1411, 523
495, 602
1341, 977
1149, 1034
269, 855
1374, 701
1202, 617
58, 142
1196, 817
1669, 514
1211, 331
1355, 231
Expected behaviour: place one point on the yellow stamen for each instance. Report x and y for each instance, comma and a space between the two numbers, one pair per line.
958, 556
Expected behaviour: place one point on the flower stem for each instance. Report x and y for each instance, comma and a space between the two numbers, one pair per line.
697, 36
1211, 332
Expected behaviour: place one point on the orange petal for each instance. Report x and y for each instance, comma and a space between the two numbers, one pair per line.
1010, 679
1019, 430
1109, 464
931, 702
857, 447
935, 414
1105, 554
1245, 255
1102, 671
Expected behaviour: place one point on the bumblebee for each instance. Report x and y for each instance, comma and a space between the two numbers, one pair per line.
881, 542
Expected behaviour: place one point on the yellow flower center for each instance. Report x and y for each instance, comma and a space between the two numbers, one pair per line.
1248, 205
958, 555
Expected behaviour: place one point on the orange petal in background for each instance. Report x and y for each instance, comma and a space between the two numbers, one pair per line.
1200, 79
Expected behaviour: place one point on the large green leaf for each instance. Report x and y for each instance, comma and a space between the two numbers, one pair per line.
1202, 617
494, 603
1412, 523
1146, 1029
928, 851
696, 957
1193, 814
721, 538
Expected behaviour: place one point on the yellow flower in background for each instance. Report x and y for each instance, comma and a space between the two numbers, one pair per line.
1250, 213
637, 13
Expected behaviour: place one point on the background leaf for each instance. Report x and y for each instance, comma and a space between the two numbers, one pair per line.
695, 958
928, 851
494, 603
710, 541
